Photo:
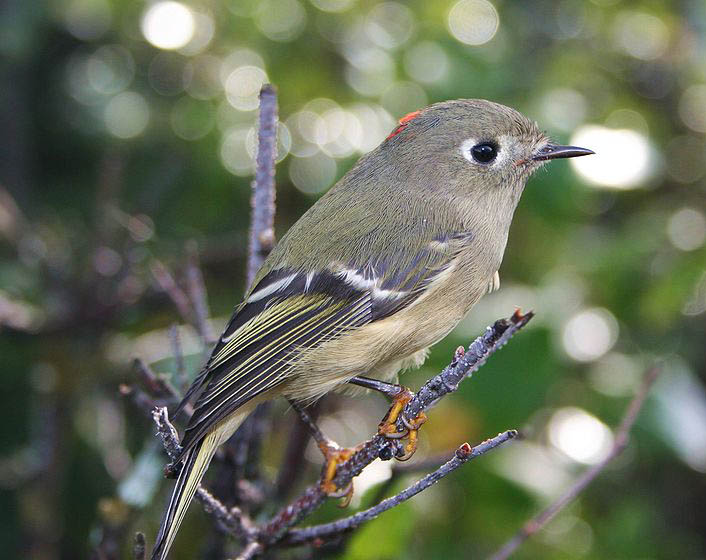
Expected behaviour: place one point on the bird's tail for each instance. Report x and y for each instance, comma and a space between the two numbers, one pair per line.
195, 464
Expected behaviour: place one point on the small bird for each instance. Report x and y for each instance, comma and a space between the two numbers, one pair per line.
383, 266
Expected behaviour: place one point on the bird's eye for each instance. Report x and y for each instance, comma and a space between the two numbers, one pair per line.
485, 152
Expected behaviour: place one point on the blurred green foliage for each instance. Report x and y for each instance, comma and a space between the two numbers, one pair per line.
129, 131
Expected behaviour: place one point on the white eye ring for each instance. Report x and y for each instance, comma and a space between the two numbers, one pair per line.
480, 153
465, 148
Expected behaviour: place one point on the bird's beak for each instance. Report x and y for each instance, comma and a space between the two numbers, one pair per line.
553, 151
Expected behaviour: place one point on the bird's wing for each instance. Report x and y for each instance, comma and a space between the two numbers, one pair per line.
289, 311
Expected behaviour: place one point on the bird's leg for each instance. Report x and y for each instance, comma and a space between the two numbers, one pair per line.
400, 396
388, 389
334, 455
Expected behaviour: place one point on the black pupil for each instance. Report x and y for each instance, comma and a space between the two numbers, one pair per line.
484, 153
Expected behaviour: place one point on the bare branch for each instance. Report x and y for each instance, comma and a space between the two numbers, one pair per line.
197, 294
462, 455
232, 520
169, 285
180, 367
156, 384
262, 233
166, 432
620, 442
308, 421
141, 399
250, 551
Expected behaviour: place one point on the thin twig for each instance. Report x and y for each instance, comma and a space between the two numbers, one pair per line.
462, 455
197, 294
169, 285
179, 366
262, 233
141, 399
166, 432
250, 551
312, 426
620, 442
156, 384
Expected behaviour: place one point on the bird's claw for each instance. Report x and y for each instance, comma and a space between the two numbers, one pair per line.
334, 456
388, 427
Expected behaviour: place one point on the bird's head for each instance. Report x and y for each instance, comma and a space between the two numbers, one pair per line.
471, 147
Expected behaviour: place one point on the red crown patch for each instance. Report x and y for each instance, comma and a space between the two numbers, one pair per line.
403, 122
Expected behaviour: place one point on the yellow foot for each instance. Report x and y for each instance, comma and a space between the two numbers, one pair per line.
334, 456
388, 427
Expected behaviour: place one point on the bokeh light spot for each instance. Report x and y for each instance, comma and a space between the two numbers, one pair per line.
333, 5
473, 22
623, 158
371, 71
681, 412
280, 20
563, 108
237, 58
692, 107
87, 19
165, 73
616, 375
426, 62
234, 153
686, 229
107, 261
201, 77
389, 24
204, 28
627, 118
126, 115
168, 25
375, 124
314, 174
687, 159
641, 35
243, 87
590, 334
580, 435
404, 97
110, 69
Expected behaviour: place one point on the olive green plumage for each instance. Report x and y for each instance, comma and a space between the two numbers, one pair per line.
381, 267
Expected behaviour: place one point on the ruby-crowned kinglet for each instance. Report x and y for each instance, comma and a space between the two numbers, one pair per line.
383, 266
